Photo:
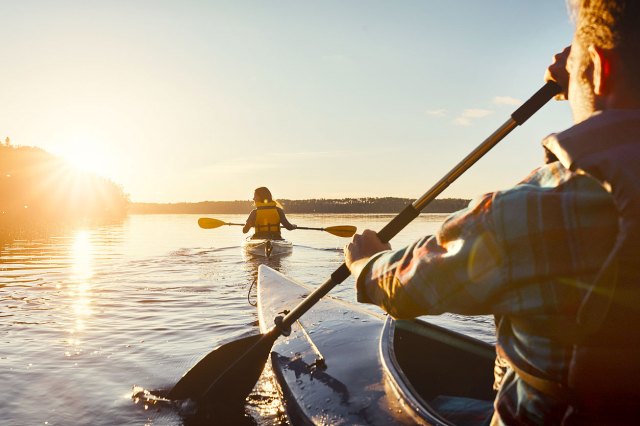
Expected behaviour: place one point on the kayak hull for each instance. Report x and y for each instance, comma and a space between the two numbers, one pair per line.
340, 366
266, 248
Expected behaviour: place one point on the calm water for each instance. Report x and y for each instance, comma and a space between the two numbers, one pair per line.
92, 316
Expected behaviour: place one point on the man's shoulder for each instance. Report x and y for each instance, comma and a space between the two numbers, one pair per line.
550, 175
551, 181
551, 178
548, 190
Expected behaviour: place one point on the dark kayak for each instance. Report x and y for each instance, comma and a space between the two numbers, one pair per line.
344, 365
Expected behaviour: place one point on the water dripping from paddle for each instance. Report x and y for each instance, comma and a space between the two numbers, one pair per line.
191, 413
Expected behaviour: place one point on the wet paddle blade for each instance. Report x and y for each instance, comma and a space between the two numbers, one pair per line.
346, 231
209, 223
226, 374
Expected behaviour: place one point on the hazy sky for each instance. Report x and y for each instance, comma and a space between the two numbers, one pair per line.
204, 100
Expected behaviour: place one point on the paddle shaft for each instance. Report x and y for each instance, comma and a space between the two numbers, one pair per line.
329, 229
299, 227
310, 229
390, 230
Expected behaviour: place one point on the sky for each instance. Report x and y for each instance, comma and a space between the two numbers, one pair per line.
189, 100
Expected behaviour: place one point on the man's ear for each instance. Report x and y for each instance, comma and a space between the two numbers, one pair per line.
601, 60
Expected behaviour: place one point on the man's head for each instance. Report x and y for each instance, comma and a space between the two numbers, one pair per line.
604, 63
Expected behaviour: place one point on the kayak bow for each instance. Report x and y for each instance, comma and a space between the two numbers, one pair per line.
343, 364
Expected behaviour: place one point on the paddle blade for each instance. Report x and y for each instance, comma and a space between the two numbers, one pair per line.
209, 223
228, 373
342, 231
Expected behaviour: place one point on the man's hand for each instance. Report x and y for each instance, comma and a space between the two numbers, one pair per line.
361, 248
557, 72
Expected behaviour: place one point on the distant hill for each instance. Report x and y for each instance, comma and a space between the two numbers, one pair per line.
321, 205
37, 188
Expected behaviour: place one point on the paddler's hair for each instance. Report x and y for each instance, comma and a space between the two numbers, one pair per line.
611, 24
262, 195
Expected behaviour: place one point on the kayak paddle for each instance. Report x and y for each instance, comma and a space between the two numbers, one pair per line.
209, 223
340, 231
230, 372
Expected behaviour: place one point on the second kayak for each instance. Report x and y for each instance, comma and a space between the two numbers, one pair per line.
266, 247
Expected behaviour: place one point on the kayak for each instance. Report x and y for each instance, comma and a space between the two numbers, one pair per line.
343, 364
266, 247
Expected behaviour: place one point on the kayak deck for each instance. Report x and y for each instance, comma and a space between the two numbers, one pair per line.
343, 364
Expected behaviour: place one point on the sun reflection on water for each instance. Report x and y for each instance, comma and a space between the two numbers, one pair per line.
265, 402
82, 254
80, 287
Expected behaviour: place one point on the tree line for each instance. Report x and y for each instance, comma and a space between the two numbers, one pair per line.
40, 189
315, 205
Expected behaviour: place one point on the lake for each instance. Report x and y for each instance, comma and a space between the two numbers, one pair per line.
93, 316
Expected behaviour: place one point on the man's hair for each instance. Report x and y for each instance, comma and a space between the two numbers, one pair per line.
611, 24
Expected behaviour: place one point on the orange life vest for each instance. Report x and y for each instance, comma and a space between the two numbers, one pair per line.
267, 219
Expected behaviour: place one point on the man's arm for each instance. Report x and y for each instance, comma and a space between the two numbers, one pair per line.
456, 271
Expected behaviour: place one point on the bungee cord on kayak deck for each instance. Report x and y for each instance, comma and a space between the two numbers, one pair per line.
253, 283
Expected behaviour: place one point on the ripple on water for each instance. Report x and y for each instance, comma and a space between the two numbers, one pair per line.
90, 314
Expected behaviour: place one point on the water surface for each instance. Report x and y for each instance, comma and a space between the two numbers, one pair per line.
90, 314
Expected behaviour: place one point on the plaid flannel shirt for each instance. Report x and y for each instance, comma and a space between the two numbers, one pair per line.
530, 251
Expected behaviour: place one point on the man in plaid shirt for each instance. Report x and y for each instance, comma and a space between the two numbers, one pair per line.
532, 255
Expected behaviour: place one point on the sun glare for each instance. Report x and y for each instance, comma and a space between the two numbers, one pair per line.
86, 160
86, 154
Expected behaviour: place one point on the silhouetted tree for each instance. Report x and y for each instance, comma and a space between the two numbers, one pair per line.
37, 187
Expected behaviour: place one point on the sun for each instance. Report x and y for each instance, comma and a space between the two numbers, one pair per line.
85, 160
86, 155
